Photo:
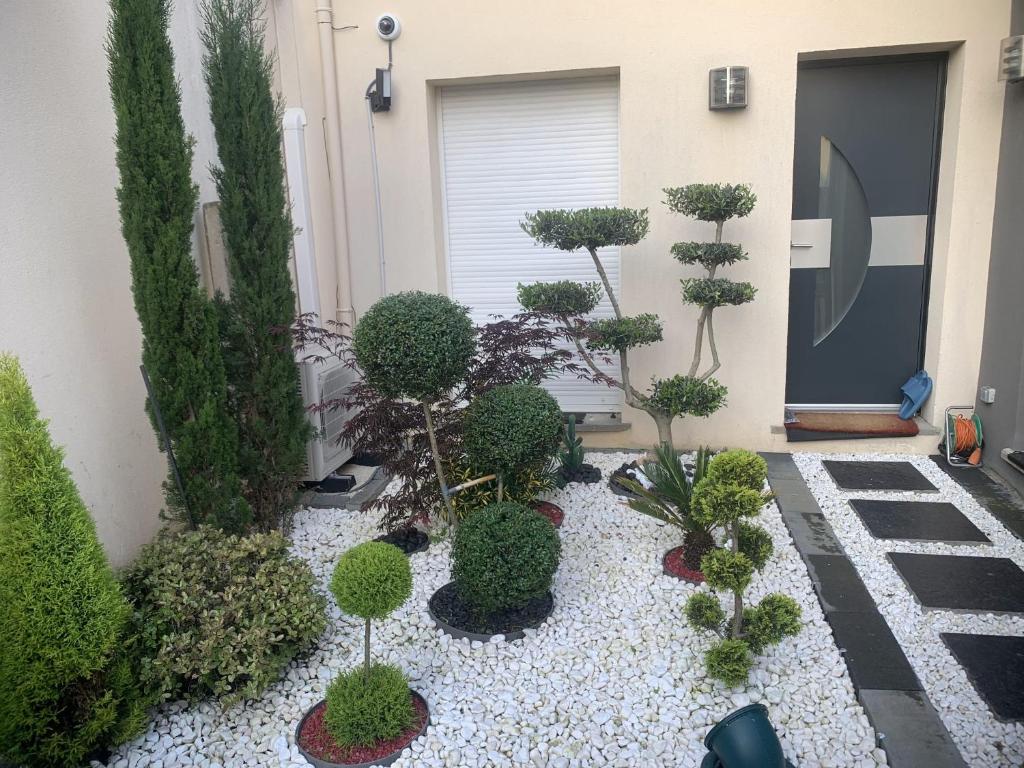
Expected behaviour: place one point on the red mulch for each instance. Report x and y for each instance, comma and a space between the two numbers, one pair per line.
315, 739
552, 512
674, 566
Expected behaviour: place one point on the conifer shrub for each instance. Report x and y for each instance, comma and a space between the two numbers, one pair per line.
504, 556
67, 668
221, 615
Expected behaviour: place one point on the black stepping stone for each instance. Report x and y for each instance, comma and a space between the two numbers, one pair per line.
878, 476
873, 656
998, 498
917, 521
963, 583
995, 666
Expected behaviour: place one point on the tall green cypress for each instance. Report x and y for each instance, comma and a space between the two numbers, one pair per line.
273, 427
181, 344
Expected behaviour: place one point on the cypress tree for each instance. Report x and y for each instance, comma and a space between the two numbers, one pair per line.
264, 379
181, 345
67, 684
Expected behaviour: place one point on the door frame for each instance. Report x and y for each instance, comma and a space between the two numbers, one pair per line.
942, 57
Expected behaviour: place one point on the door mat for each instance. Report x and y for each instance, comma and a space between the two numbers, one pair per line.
820, 425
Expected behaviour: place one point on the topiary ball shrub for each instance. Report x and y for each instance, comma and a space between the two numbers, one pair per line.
512, 428
414, 344
221, 615
744, 468
774, 618
729, 661
371, 580
364, 709
504, 555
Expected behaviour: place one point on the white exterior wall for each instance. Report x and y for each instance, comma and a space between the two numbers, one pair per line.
65, 302
662, 52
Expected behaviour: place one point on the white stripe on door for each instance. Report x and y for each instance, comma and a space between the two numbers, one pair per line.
896, 241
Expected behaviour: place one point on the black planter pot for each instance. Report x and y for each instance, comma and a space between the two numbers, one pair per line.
385, 760
616, 486
445, 602
409, 540
744, 739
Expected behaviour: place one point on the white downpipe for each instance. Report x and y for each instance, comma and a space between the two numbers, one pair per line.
335, 166
293, 123
376, 195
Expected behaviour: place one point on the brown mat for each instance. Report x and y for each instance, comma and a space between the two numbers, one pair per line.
815, 425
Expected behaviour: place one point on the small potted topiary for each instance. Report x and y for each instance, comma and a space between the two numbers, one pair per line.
504, 558
370, 714
731, 492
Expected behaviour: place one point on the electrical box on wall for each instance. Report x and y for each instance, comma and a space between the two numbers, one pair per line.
987, 395
727, 88
380, 96
1011, 59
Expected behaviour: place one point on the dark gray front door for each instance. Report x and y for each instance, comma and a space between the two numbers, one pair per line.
864, 168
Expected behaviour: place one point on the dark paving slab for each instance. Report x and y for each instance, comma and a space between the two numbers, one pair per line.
1002, 501
963, 583
839, 586
917, 521
873, 656
910, 730
877, 476
995, 666
801, 513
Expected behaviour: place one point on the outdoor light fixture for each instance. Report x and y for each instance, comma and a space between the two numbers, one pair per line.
1011, 59
727, 88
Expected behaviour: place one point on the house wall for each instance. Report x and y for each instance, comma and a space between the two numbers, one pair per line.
65, 304
1002, 359
662, 52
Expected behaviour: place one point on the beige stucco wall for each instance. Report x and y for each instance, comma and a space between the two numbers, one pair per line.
662, 52
65, 304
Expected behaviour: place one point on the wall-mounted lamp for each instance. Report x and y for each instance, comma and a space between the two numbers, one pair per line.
727, 88
1011, 59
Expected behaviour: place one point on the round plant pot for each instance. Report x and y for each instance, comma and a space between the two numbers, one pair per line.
552, 512
410, 540
617, 487
672, 564
745, 739
392, 750
451, 614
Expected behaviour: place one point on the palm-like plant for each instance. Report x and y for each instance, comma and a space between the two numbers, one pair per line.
668, 499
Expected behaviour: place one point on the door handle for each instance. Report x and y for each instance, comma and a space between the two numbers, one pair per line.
801, 245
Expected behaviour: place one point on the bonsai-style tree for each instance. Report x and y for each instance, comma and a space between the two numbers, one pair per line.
511, 429
731, 492
504, 556
371, 704
254, 211
568, 303
157, 199
67, 683
418, 346
715, 203
670, 497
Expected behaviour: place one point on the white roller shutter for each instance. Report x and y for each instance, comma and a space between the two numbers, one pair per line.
510, 148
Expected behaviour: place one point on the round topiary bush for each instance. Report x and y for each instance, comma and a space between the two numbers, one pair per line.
221, 615
511, 428
744, 468
371, 580
363, 709
416, 345
504, 555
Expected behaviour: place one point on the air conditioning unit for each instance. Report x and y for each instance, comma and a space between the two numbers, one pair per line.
322, 381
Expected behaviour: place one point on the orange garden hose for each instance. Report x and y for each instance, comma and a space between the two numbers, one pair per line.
966, 439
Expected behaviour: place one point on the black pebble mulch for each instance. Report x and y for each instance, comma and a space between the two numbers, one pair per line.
449, 607
409, 540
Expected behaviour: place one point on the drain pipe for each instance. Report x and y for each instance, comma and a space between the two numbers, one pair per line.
335, 167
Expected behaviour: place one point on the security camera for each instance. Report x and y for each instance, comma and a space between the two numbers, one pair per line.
388, 27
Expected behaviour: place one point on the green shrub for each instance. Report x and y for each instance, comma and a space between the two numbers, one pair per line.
708, 255
563, 297
718, 503
67, 682
571, 455
711, 202
756, 543
687, 395
511, 428
712, 292
618, 334
725, 569
774, 618
589, 228
729, 661
372, 580
364, 709
416, 345
745, 468
522, 488
504, 556
221, 615
703, 611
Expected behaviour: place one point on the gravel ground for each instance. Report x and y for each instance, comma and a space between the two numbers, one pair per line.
614, 678
983, 740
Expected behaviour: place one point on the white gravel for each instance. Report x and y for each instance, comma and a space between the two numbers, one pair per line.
982, 740
614, 678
